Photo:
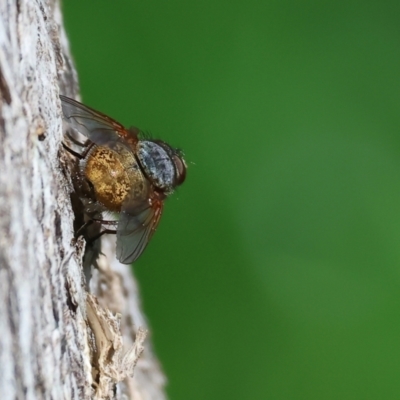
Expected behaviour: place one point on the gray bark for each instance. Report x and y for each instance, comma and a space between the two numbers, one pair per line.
57, 340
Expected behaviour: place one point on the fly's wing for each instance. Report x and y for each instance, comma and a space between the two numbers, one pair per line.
96, 126
136, 227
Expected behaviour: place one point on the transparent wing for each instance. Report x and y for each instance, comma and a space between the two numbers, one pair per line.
96, 126
135, 229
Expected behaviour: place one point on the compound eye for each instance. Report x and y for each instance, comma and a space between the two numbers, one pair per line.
180, 167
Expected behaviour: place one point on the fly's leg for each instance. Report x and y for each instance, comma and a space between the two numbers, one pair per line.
82, 155
98, 235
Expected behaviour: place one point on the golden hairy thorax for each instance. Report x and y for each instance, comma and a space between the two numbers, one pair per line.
114, 174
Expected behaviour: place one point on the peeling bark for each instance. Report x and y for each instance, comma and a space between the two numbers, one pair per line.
56, 340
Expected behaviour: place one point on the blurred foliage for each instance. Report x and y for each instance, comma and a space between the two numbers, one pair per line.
275, 272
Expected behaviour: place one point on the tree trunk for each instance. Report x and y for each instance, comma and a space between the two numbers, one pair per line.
58, 339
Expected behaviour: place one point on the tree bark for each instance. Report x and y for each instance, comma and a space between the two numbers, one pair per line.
58, 339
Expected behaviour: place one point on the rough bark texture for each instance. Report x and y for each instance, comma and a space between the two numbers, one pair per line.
56, 340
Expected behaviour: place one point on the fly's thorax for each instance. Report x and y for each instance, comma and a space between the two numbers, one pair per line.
114, 173
158, 161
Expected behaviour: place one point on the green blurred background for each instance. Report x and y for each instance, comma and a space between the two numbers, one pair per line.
275, 272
